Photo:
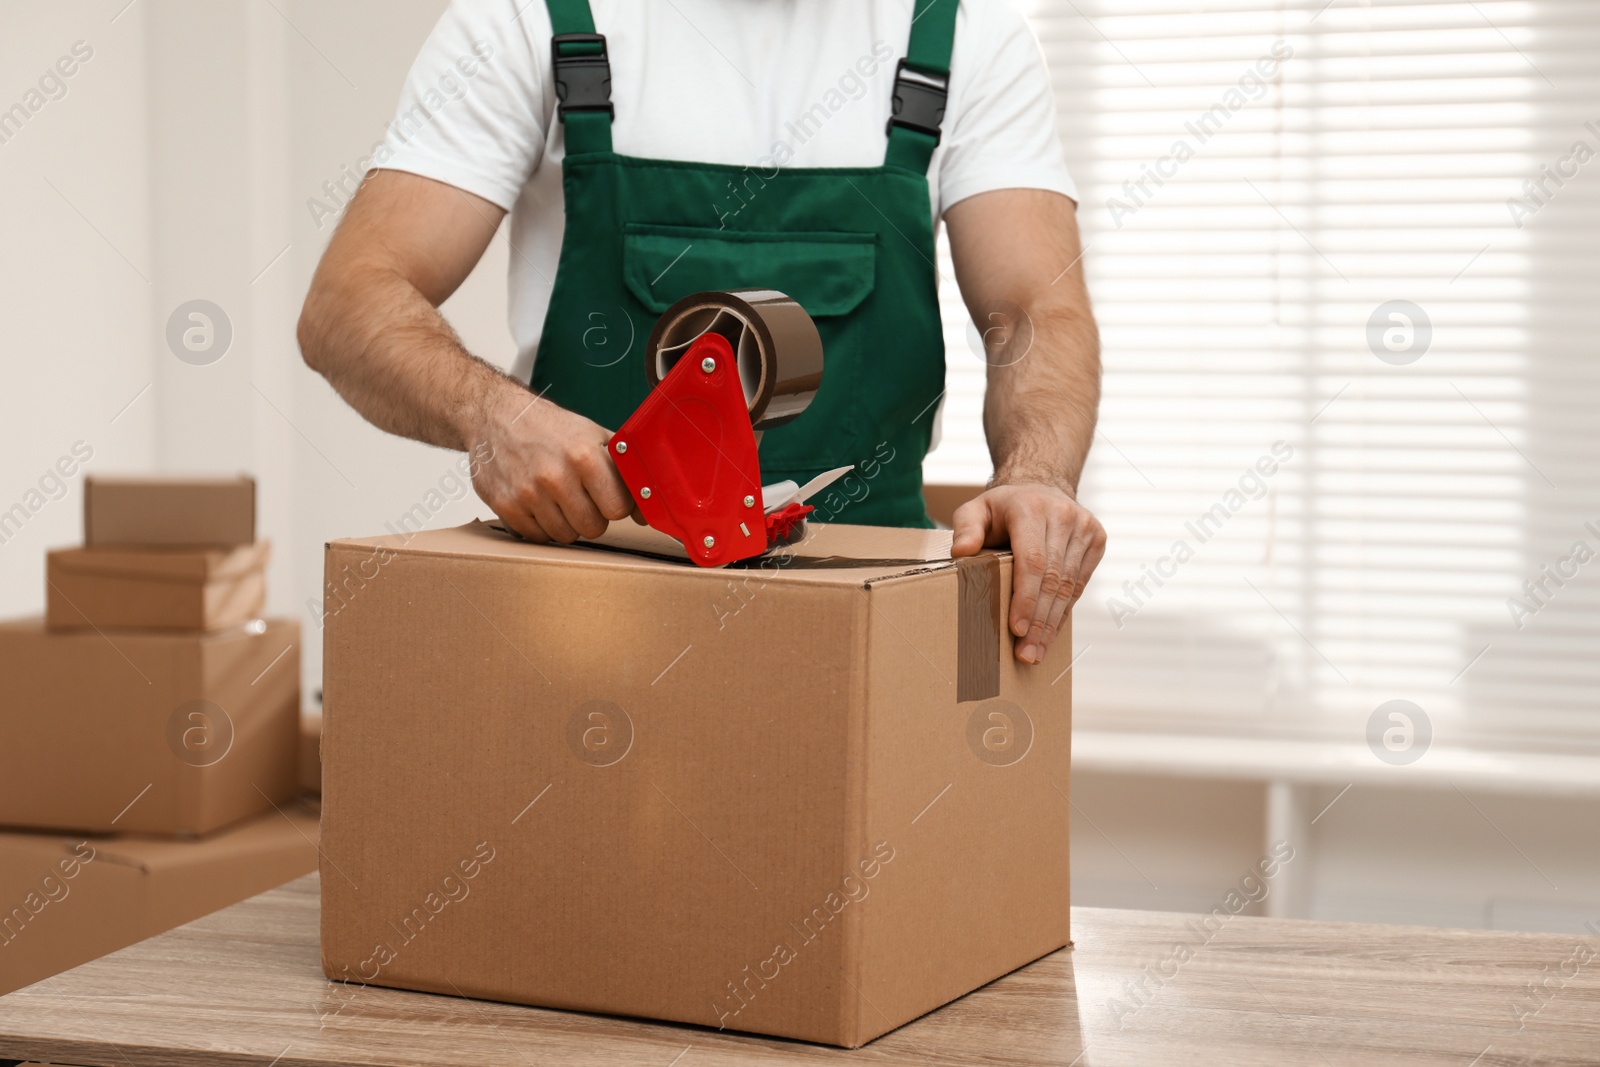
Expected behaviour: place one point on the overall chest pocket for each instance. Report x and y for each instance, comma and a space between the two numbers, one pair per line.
830, 274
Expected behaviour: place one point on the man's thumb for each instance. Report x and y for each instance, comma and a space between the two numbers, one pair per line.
970, 524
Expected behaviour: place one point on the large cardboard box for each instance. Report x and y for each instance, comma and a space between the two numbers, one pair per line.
145, 732
137, 511
814, 798
155, 588
68, 900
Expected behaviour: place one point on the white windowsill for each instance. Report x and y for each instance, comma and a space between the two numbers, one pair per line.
1333, 764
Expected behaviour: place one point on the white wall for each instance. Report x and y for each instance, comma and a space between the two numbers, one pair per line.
351, 479
191, 142
75, 272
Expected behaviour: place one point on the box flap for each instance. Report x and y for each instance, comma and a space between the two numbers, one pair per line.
117, 850
25, 849
830, 554
292, 825
195, 565
871, 547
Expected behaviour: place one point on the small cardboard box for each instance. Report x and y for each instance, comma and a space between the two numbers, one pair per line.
155, 588
145, 732
148, 512
814, 798
68, 900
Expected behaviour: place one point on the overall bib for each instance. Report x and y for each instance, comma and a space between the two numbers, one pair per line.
853, 245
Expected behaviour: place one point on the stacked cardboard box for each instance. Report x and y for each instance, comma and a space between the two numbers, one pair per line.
150, 746
69, 899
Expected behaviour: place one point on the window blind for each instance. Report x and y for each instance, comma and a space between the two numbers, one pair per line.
1344, 259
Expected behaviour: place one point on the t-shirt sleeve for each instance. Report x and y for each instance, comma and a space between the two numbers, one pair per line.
1003, 133
472, 112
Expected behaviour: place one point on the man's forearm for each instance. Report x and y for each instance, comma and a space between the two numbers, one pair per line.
389, 352
372, 328
371, 325
1020, 265
1043, 393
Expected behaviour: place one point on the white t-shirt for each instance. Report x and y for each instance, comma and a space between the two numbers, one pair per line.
715, 81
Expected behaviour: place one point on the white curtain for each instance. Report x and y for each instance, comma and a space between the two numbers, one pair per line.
1346, 263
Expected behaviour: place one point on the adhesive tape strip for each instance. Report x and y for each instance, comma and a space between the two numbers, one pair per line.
778, 348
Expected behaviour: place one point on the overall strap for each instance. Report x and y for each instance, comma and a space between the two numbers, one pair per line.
921, 83
581, 70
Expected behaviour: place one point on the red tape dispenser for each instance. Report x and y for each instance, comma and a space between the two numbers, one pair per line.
723, 367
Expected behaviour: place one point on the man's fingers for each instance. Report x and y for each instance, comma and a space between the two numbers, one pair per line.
1055, 546
549, 515
970, 525
1052, 625
560, 500
606, 487
1029, 534
523, 524
579, 509
1075, 573
1051, 586
1083, 555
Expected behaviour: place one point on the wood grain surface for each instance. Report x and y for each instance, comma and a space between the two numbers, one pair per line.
243, 986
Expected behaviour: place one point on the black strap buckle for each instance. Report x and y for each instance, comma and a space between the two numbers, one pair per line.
919, 99
583, 81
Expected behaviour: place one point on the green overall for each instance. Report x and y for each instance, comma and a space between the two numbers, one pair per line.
853, 245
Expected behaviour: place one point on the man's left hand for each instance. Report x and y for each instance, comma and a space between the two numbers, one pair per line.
1055, 546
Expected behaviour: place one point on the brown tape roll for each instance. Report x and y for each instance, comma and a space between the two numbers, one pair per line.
778, 348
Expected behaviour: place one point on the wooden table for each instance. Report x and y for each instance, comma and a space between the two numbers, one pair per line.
243, 986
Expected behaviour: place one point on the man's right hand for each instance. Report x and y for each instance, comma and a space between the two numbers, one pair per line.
548, 474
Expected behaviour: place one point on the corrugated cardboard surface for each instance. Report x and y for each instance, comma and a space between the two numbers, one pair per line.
981, 840
155, 588
130, 511
581, 778
847, 554
68, 900
96, 725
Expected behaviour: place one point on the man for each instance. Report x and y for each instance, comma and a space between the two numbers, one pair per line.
720, 144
